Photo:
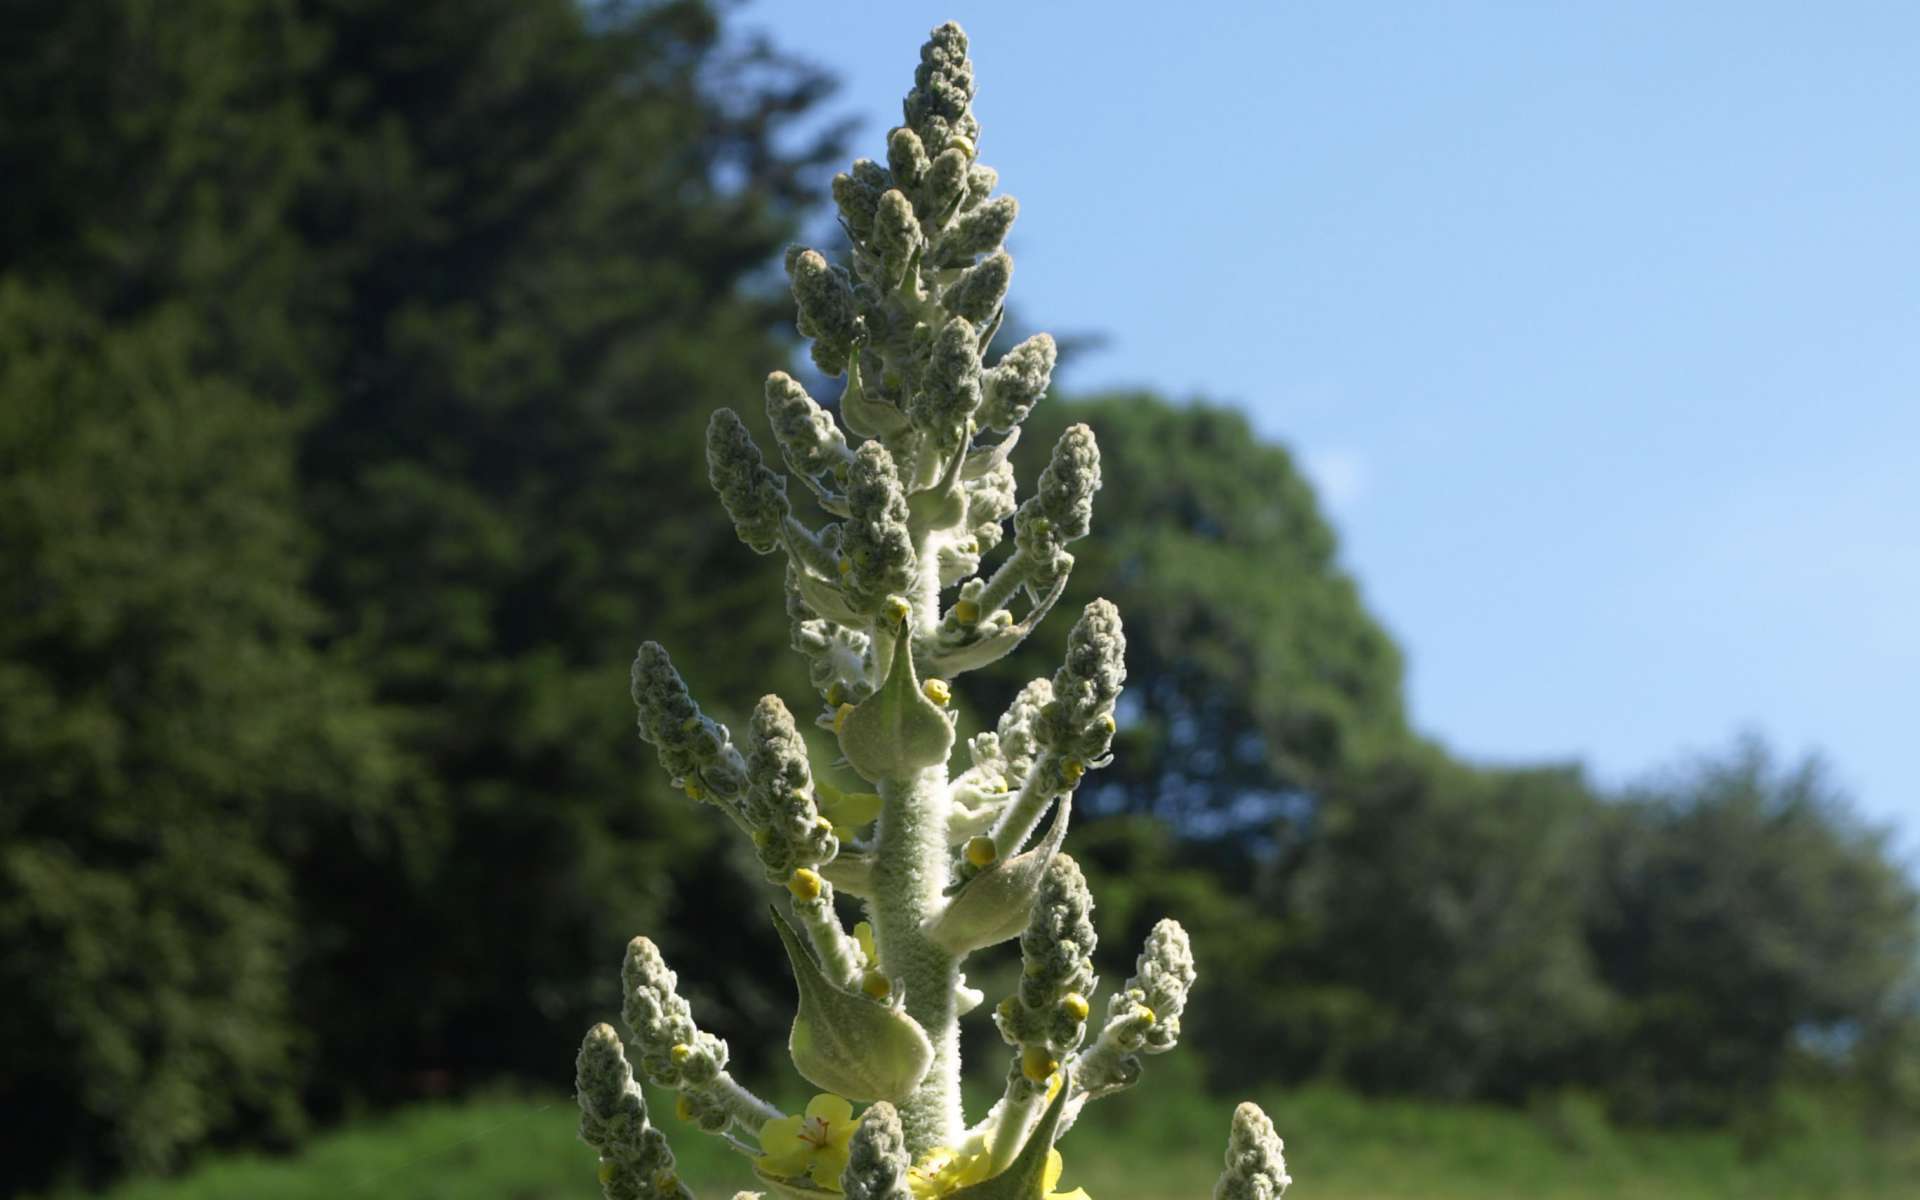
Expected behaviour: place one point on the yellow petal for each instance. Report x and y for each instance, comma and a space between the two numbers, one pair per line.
1075, 1194
1051, 1176
781, 1135
830, 1108
829, 1164
973, 1169
863, 933
839, 1134
789, 1165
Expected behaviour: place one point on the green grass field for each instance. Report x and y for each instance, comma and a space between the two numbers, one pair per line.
1140, 1146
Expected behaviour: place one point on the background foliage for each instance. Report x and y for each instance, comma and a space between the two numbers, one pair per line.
353, 361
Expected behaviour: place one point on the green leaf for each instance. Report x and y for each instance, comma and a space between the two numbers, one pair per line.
896, 731
994, 905
845, 1042
866, 417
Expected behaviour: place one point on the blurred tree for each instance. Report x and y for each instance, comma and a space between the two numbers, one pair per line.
1439, 939
1744, 916
167, 739
1254, 671
480, 268
542, 225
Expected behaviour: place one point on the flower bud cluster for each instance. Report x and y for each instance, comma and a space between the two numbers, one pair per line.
1002, 760
1077, 723
788, 831
697, 752
674, 1052
942, 410
1256, 1164
877, 1162
990, 501
1047, 1018
810, 440
829, 313
1061, 511
937, 109
754, 496
1019, 741
877, 544
1161, 980
1012, 386
635, 1161
1144, 1016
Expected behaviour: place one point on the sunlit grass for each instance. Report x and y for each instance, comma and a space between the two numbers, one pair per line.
1148, 1145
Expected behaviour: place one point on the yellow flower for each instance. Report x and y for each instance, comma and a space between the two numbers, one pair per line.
814, 1144
1051, 1177
863, 933
943, 1169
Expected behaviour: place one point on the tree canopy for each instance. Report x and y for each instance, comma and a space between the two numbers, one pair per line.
354, 361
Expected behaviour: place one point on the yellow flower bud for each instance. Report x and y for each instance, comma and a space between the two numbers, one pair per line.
680, 1053
836, 694
683, 1108
840, 716
693, 790
805, 884
937, 691
846, 566
966, 611
762, 839
606, 1171
897, 609
690, 724
664, 1180
1106, 722
1036, 1064
1075, 1005
874, 984
1073, 769
1148, 1014
981, 851
963, 144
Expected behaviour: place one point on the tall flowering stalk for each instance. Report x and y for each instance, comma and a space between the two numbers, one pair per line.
889, 600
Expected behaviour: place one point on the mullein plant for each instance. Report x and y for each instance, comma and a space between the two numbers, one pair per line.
889, 600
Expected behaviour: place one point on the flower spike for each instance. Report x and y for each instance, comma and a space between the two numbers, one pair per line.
890, 601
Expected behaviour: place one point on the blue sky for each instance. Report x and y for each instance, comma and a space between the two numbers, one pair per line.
1598, 326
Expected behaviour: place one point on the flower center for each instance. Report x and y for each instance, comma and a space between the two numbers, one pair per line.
813, 1131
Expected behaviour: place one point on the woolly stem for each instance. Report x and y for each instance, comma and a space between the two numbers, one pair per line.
744, 1108
1017, 819
910, 872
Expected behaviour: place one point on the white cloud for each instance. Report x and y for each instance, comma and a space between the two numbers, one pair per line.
1339, 474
